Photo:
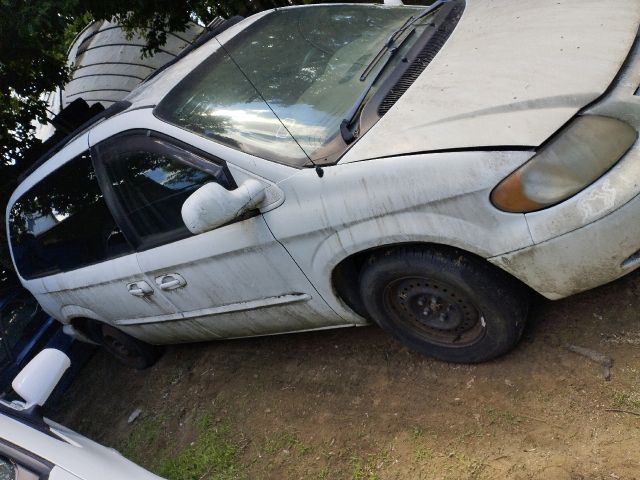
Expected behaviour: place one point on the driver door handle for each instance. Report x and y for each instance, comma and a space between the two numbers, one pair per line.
170, 281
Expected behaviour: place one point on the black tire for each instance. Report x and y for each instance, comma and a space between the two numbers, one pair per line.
127, 350
445, 304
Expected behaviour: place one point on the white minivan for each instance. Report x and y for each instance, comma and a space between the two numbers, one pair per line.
332, 165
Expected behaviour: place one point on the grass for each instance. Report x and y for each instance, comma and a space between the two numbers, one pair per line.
422, 454
147, 431
503, 418
625, 400
364, 468
212, 456
285, 442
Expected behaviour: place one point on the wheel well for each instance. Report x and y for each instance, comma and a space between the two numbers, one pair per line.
88, 327
345, 276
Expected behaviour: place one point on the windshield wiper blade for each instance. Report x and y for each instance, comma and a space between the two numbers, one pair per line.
345, 127
389, 45
385, 48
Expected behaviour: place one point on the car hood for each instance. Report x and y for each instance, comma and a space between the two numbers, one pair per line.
511, 74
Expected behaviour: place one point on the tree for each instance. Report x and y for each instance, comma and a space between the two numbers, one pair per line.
34, 38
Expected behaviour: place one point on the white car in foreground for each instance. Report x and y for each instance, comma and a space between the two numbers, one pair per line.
331, 165
35, 448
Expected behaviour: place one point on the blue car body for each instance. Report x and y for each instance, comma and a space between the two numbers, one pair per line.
25, 333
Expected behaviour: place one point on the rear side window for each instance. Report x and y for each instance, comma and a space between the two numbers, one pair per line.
63, 223
149, 179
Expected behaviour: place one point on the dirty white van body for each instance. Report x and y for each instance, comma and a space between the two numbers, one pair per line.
511, 80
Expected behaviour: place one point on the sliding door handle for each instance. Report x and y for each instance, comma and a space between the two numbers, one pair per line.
170, 281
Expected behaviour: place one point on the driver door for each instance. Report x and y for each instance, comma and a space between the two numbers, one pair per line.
235, 280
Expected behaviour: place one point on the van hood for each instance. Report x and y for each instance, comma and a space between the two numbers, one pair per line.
511, 74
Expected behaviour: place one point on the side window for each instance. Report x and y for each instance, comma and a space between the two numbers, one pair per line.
63, 223
149, 180
19, 319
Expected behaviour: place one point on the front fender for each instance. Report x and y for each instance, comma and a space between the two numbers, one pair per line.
440, 198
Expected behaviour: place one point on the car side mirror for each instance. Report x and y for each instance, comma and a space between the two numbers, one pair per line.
212, 205
37, 380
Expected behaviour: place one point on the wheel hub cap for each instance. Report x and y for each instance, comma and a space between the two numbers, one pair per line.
435, 310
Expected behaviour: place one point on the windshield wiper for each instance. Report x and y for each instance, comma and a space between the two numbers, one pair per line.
389, 46
345, 130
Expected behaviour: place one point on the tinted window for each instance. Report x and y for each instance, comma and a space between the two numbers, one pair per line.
19, 320
150, 180
63, 223
306, 63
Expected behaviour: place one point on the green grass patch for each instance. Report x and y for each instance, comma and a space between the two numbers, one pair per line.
148, 432
287, 442
213, 456
367, 468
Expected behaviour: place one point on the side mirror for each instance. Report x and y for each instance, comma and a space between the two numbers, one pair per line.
212, 205
39, 377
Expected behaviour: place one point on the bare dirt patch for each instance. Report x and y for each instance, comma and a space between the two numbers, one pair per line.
355, 404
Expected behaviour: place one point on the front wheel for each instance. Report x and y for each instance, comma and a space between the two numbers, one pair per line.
445, 304
129, 351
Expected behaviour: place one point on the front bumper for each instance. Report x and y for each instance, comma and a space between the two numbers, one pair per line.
587, 257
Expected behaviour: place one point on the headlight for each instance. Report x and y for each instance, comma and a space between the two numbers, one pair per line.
572, 160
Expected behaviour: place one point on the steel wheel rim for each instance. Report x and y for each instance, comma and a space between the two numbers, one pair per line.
434, 311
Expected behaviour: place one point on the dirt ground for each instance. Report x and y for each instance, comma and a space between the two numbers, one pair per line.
355, 404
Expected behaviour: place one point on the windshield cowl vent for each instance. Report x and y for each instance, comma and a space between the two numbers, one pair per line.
422, 60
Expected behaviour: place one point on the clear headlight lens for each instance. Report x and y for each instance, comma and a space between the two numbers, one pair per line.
572, 160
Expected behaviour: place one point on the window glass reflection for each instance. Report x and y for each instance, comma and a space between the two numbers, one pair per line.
298, 78
63, 223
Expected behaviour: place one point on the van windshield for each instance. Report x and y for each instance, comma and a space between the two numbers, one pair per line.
281, 88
